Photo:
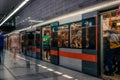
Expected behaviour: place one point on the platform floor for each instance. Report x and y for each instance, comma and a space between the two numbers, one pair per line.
27, 68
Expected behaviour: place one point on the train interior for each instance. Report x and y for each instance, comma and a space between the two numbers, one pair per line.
110, 20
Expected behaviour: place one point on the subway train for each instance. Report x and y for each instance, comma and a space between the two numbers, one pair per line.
77, 39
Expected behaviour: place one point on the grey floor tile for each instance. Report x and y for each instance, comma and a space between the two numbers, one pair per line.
37, 76
6, 75
56, 78
29, 70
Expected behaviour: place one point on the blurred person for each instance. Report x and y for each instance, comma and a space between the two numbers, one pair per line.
14, 45
105, 50
114, 41
1, 47
117, 55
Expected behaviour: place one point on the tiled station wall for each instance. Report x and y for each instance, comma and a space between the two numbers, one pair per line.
47, 9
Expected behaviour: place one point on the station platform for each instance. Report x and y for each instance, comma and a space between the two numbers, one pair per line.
26, 68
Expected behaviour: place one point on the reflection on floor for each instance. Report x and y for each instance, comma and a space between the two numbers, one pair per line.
30, 69
115, 77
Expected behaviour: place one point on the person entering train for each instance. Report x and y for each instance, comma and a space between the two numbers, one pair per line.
117, 56
46, 45
114, 40
14, 45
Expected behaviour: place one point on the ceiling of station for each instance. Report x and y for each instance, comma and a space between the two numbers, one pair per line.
6, 6
41, 9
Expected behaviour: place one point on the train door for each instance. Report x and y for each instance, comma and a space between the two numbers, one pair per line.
26, 40
21, 41
30, 39
54, 45
110, 27
34, 45
46, 43
25, 43
38, 44
50, 38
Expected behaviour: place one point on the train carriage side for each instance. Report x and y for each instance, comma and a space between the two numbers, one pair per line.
79, 40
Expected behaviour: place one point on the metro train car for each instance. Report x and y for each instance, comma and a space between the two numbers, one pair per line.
77, 39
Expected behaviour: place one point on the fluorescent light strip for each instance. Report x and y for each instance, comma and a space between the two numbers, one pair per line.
36, 21
11, 14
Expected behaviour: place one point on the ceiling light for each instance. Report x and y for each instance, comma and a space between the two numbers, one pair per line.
29, 17
11, 14
36, 21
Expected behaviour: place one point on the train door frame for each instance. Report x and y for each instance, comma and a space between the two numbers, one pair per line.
27, 39
100, 56
101, 42
34, 45
54, 51
29, 45
45, 26
38, 49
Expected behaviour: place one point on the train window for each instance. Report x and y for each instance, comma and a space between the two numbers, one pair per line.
113, 13
106, 16
54, 41
119, 13
63, 32
89, 33
105, 22
30, 38
38, 38
76, 35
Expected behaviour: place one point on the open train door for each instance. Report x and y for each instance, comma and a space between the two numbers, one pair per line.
46, 44
50, 53
110, 24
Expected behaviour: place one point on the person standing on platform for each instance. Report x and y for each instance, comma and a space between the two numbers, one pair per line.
1, 47
14, 45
